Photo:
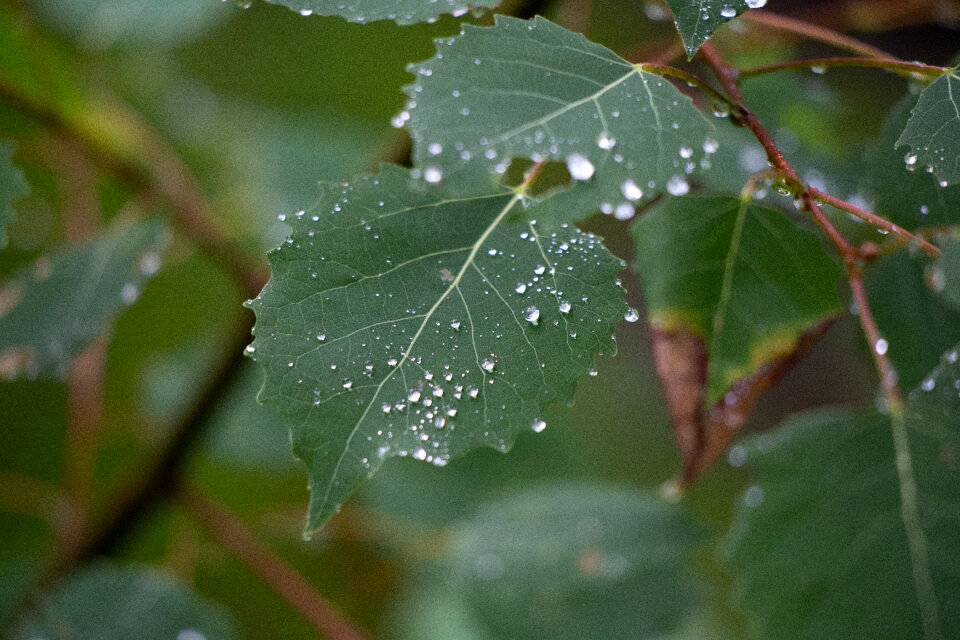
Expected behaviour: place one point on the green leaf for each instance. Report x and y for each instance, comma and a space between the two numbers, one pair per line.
696, 20
933, 131
112, 602
911, 198
401, 12
401, 320
943, 276
12, 187
820, 549
87, 285
742, 277
535, 90
565, 562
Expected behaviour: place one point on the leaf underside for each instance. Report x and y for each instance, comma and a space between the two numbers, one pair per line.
696, 20
400, 11
933, 130
401, 320
87, 285
743, 278
823, 520
12, 187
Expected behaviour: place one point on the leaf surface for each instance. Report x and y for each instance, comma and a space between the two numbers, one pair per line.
401, 320
112, 602
696, 20
86, 286
742, 277
400, 11
823, 520
566, 562
933, 130
12, 187
535, 90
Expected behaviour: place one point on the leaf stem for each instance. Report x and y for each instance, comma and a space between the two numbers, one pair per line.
689, 78
889, 64
814, 32
234, 535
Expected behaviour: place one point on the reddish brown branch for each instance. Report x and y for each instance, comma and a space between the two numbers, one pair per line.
234, 535
878, 345
888, 64
814, 32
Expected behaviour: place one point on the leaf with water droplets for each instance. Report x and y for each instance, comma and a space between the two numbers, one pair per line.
400, 11
108, 601
531, 89
943, 275
565, 563
403, 320
86, 286
733, 290
933, 130
12, 187
820, 548
696, 20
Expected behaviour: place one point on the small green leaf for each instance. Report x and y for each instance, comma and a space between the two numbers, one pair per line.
696, 20
742, 277
12, 187
401, 320
400, 11
933, 131
112, 602
943, 276
567, 562
823, 521
535, 90
87, 285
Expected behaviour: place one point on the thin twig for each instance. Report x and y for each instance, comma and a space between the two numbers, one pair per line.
888, 64
689, 78
814, 32
235, 536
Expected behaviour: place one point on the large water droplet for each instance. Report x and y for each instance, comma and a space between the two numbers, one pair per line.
678, 186
579, 166
606, 142
487, 365
632, 315
432, 175
532, 315
538, 425
631, 191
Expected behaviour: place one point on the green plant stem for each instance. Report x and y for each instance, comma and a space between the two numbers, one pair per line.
689, 78
814, 32
888, 64
234, 535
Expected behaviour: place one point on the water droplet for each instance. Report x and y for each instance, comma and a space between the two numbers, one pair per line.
678, 186
532, 314
910, 159
347, 384
881, 347
632, 315
305, 13
606, 142
565, 307
728, 12
520, 288
413, 396
539, 269
928, 384
631, 191
753, 496
129, 293
818, 69
721, 109
487, 365
538, 425
455, 325
434, 148
432, 175
710, 146
624, 211
756, 4
579, 166
685, 152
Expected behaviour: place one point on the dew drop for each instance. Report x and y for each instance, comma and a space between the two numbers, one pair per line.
413, 396
710, 146
538, 425
753, 496
434, 148
520, 288
487, 365
532, 315
678, 186
579, 166
631, 191
881, 347
624, 211
685, 152
606, 142
565, 307
756, 4
910, 159
728, 12
632, 315
432, 175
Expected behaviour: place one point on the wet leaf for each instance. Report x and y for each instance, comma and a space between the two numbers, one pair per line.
696, 20
12, 187
563, 562
943, 276
820, 549
401, 320
401, 12
86, 286
113, 602
535, 90
933, 130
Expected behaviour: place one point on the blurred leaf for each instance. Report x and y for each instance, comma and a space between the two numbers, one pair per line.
933, 130
535, 90
568, 561
910, 198
100, 24
915, 322
400, 11
86, 286
696, 20
402, 321
112, 602
12, 187
820, 549
943, 276
742, 277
